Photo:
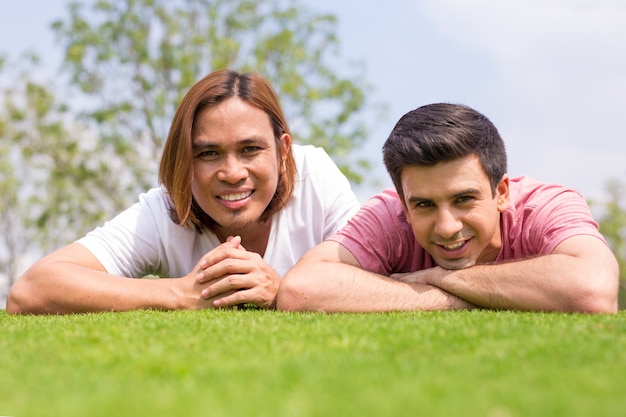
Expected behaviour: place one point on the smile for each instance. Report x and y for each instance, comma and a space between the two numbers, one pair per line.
235, 197
454, 246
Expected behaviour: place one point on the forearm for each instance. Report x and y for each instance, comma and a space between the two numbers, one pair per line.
556, 282
61, 287
339, 287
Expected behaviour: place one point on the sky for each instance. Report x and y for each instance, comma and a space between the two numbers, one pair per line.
550, 74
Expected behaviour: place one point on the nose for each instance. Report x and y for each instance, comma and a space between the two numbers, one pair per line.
447, 223
232, 170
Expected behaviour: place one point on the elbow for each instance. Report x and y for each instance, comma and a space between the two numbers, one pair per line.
291, 294
599, 295
594, 286
597, 303
21, 300
16, 301
288, 297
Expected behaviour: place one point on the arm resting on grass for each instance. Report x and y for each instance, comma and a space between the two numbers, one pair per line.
580, 275
72, 280
328, 278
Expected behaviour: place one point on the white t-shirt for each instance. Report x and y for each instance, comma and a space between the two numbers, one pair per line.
144, 240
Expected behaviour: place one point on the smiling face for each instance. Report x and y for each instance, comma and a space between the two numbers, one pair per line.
236, 164
452, 211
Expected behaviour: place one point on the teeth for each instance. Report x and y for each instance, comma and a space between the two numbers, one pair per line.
453, 247
235, 197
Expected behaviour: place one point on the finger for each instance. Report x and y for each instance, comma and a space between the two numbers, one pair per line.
237, 298
257, 288
228, 266
258, 296
210, 303
226, 283
234, 240
231, 266
231, 300
219, 255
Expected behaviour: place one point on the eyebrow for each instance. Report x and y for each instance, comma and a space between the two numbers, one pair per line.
204, 144
469, 191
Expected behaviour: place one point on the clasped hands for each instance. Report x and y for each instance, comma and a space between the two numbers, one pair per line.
229, 275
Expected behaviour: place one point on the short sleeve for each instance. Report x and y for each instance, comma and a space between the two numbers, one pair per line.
129, 244
540, 216
380, 238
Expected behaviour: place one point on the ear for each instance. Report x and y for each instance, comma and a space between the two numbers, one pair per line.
285, 146
502, 193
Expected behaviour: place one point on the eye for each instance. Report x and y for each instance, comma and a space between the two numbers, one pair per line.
423, 204
207, 154
250, 149
465, 199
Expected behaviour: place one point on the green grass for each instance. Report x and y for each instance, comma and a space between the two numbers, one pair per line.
266, 363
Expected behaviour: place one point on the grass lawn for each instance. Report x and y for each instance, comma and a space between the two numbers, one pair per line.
266, 363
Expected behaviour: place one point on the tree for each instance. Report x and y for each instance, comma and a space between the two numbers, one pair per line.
54, 186
135, 59
612, 224
64, 168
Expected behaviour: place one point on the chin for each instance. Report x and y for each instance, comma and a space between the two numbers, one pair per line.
456, 264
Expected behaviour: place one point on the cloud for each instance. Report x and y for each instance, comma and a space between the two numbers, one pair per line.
557, 85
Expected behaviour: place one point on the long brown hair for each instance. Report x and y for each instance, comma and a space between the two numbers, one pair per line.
176, 170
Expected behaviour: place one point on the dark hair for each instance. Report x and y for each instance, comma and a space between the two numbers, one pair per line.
443, 132
176, 169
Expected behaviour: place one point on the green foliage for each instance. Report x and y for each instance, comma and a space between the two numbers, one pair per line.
267, 363
612, 224
136, 59
52, 186
67, 164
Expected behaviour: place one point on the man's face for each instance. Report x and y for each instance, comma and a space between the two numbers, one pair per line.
452, 211
236, 164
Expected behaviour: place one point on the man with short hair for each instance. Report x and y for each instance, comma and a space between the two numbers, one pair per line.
458, 233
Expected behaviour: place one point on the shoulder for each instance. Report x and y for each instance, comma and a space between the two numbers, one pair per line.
541, 215
321, 191
381, 214
380, 238
157, 195
541, 201
387, 198
528, 191
318, 176
311, 158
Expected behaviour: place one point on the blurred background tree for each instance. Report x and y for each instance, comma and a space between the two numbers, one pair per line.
612, 221
79, 147
134, 60
54, 183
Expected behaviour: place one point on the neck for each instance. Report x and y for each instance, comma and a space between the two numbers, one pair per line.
253, 238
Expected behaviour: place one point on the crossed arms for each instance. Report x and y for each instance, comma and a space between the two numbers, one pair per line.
580, 275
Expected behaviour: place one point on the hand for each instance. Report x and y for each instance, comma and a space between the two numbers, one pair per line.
231, 275
423, 276
426, 280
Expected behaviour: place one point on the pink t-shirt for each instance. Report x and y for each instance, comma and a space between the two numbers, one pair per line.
539, 217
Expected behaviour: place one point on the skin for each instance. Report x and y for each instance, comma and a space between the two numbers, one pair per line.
235, 172
236, 166
456, 218
453, 213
